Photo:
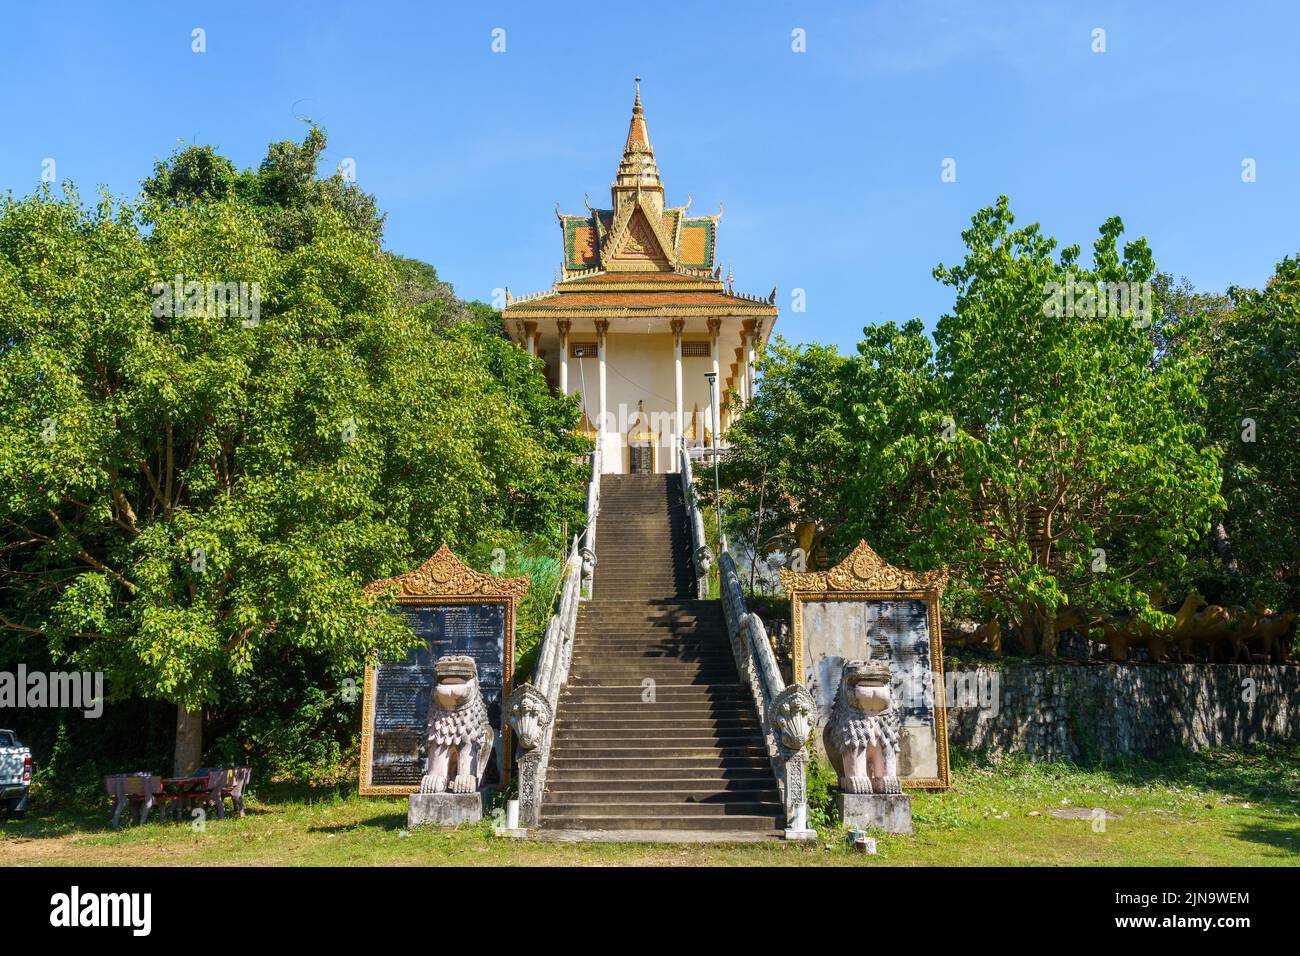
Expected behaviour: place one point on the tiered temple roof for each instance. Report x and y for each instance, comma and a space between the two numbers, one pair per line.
639, 257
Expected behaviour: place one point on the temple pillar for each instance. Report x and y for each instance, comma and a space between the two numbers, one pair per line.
530, 338
750, 335
742, 363
602, 327
715, 327
563, 327
677, 326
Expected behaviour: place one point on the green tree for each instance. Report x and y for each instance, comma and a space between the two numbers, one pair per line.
285, 189
185, 490
1254, 414
1050, 449
836, 445
1082, 478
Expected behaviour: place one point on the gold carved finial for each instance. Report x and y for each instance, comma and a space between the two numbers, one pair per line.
864, 570
444, 574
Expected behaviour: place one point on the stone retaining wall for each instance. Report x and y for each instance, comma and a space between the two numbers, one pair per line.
1104, 711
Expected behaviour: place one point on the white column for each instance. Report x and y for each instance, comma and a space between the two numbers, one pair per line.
677, 326
715, 326
530, 337
601, 328
742, 373
749, 359
563, 326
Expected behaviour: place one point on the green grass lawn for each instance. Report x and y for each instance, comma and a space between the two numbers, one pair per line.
1238, 807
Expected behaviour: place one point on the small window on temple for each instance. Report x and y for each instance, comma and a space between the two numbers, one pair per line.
582, 350
695, 349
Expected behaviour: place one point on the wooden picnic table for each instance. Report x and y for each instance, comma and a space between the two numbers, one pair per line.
202, 786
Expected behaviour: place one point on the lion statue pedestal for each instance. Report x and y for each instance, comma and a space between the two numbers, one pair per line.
461, 743
862, 744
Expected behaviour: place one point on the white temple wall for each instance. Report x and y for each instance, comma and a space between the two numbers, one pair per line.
640, 369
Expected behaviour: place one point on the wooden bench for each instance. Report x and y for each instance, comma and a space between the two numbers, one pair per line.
141, 788
222, 782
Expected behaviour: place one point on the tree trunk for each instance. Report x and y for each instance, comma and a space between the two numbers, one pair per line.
1028, 637
189, 740
1223, 545
1048, 645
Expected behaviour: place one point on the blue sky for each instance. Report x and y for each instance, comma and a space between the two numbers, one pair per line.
828, 161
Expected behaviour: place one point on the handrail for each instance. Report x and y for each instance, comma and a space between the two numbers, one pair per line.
788, 712
700, 551
533, 704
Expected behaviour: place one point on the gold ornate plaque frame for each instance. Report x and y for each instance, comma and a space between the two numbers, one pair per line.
444, 579
865, 576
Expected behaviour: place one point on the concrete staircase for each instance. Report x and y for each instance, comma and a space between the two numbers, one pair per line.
655, 736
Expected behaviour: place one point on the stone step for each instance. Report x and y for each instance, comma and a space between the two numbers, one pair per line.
603, 712
615, 822
652, 714
621, 680
649, 735
659, 639
595, 614
607, 675
650, 572
653, 638
664, 631
605, 656
768, 799
665, 695
632, 653
653, 635
662, 750
647, 586
671, 808
657, 724
686, 605
580, 708
664, 780
706, 741
638, 667
658, 648
651, 665
612, 765
626, 575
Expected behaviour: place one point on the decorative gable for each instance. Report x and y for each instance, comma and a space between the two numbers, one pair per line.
695, 248
637, 245
580, 245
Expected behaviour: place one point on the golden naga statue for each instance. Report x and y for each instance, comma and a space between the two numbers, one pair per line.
1221, 634
1235, 633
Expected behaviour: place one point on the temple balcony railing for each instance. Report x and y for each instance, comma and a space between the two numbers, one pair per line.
704, 454
787, 711
533, 704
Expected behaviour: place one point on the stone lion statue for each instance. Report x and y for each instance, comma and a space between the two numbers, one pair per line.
862, 736
460, 737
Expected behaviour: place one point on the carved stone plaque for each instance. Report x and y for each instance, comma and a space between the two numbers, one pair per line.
866, 609
454, 610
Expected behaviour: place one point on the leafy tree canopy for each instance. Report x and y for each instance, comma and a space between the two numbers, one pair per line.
1043, 447
182, 491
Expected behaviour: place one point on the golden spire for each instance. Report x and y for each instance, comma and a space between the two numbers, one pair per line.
637, 172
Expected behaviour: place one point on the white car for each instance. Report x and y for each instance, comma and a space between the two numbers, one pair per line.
15, 775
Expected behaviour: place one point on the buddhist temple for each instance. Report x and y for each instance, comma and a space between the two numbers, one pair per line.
638, 314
